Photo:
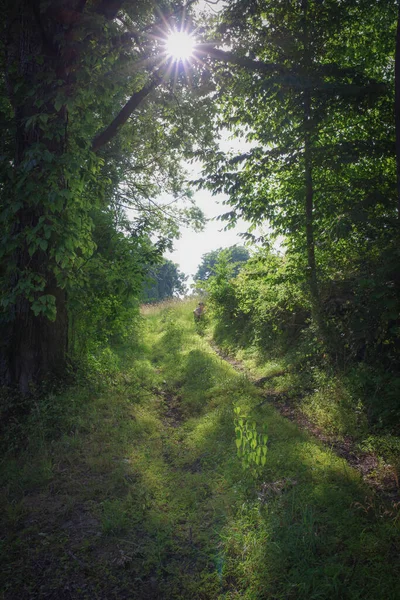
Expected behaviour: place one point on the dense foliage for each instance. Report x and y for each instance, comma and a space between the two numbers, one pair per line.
301, 82
74, 73
161, 470
267, 311
315, 100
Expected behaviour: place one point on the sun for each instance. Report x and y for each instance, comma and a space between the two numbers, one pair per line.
180, 45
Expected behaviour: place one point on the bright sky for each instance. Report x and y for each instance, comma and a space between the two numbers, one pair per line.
191, 246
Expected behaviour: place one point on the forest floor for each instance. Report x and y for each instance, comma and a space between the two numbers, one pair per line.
132, 487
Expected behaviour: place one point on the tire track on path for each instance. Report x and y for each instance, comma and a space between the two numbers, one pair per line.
380, 476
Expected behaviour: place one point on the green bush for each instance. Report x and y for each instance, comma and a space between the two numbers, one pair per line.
266, 308
263, 305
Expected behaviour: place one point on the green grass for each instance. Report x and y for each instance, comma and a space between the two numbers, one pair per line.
132, 488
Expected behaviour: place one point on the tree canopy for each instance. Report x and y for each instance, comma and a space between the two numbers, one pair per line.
235, 255
317, 105
96, 117
164, 281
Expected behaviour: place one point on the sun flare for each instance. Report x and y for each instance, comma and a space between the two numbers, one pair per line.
180, 45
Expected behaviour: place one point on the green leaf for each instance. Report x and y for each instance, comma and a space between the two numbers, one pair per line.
45, 305
59, 102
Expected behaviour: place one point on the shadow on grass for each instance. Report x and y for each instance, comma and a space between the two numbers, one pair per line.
307, 535
137, 508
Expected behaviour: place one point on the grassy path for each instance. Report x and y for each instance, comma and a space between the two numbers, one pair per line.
134, 490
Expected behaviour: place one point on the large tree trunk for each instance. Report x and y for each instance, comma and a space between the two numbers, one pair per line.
397, 108
38, 346
33, 346
42, 54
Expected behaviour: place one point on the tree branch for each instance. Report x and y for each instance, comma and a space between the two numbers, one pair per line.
107, 134
242, 61
48, 43
298, 77
293, 79
81, 6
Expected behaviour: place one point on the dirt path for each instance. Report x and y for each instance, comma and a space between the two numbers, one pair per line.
378, 475
144, 496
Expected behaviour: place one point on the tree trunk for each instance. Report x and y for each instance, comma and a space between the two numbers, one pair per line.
309, 198
38, 345
397, 108
316, 308
316, 305
32, 346
42, 56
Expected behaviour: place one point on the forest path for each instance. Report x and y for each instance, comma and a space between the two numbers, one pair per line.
143, 495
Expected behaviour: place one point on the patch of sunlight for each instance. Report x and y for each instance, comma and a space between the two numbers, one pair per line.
145, 422
202, 430
324, 463
333, 409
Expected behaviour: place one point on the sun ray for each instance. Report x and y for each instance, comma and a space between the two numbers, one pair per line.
180, 45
